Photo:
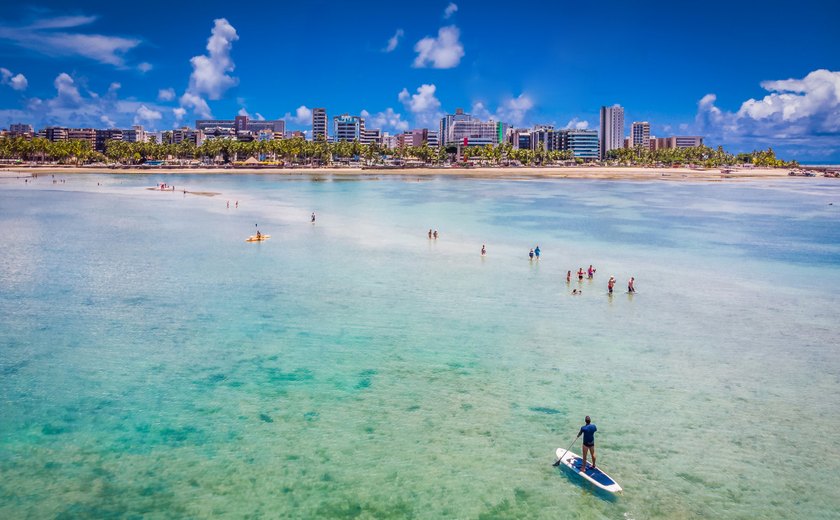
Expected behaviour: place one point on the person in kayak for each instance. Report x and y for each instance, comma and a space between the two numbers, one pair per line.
588, 431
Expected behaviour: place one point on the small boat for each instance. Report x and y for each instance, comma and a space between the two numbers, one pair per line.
594, 475
255, 238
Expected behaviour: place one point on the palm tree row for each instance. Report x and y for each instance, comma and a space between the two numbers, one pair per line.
699, 155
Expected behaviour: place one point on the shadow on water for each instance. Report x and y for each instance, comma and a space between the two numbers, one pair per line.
585, 485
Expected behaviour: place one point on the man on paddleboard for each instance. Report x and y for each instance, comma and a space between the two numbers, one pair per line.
588, 430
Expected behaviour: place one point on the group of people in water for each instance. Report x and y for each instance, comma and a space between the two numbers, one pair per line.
434, 235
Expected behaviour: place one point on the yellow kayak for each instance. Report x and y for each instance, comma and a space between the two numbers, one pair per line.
255, 238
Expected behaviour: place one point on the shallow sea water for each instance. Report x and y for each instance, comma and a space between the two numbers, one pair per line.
154, 365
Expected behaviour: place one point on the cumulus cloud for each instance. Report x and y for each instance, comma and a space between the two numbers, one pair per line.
259, 117
16, 81
166, 94
42, 36
243, 112
77, 107
394, 40
210, 71
385, 120
450, 10
179, 114
480, 111
423, 105
302, 116
195, 103
577, 124
802, 112
513, 110
144, 67
146, 115
443, 52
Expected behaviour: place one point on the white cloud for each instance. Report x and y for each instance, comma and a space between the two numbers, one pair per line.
42, 37
451, 9
243, 112
513, 110
480, 111
394, 40
75, 107
423, 105
209, 74
803, 114
147, 115
385, 120
303, 116
16, 81
577, 124
259, 117
144, 67
179, 114
166, 94
443, 52
196, 104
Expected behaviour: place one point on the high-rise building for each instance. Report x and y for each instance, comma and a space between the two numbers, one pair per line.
460, 129
319, 124
640, 134
371, 135
240, 124
348, 128
54, 133
135, 135
677, 141
612, 129
82, 134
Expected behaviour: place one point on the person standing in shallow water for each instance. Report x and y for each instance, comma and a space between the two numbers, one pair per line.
611, 284
483, 250
531, 254
588, 431
568, 276
631, 287
537, 252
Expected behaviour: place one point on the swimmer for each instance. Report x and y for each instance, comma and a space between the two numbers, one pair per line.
631, 287
568, 276
483, 250
576, 292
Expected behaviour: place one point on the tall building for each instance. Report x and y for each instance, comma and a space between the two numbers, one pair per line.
135, 135
463, 129
640, 134
612, 129
348, 128
319, 124
54, 133
82, 134
371, 135
103, 136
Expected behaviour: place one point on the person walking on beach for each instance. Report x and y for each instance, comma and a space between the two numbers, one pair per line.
631, 287
611, 284
591, 271
588, 431
531, 254
483, 250
537, 252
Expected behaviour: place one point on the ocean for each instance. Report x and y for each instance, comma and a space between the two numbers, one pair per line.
155, 365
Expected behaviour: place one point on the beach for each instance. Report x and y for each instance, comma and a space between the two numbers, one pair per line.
155, 364
579, 172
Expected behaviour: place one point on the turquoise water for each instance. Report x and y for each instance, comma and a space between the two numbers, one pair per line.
154, 365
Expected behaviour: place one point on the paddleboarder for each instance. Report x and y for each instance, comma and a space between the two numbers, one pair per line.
588, 431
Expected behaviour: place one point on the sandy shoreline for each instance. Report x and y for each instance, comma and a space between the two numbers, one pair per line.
583, 172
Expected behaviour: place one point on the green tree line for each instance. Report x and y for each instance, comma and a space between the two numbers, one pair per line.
699, 155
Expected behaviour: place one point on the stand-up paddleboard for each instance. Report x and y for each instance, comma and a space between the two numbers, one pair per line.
255, 238
594, 475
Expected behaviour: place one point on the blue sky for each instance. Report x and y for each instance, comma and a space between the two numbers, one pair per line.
744, 74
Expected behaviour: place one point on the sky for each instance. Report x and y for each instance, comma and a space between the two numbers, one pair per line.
745, 74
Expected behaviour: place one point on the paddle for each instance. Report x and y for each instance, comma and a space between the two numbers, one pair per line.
566, 451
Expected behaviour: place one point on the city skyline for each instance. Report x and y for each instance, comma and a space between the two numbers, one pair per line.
92, 65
